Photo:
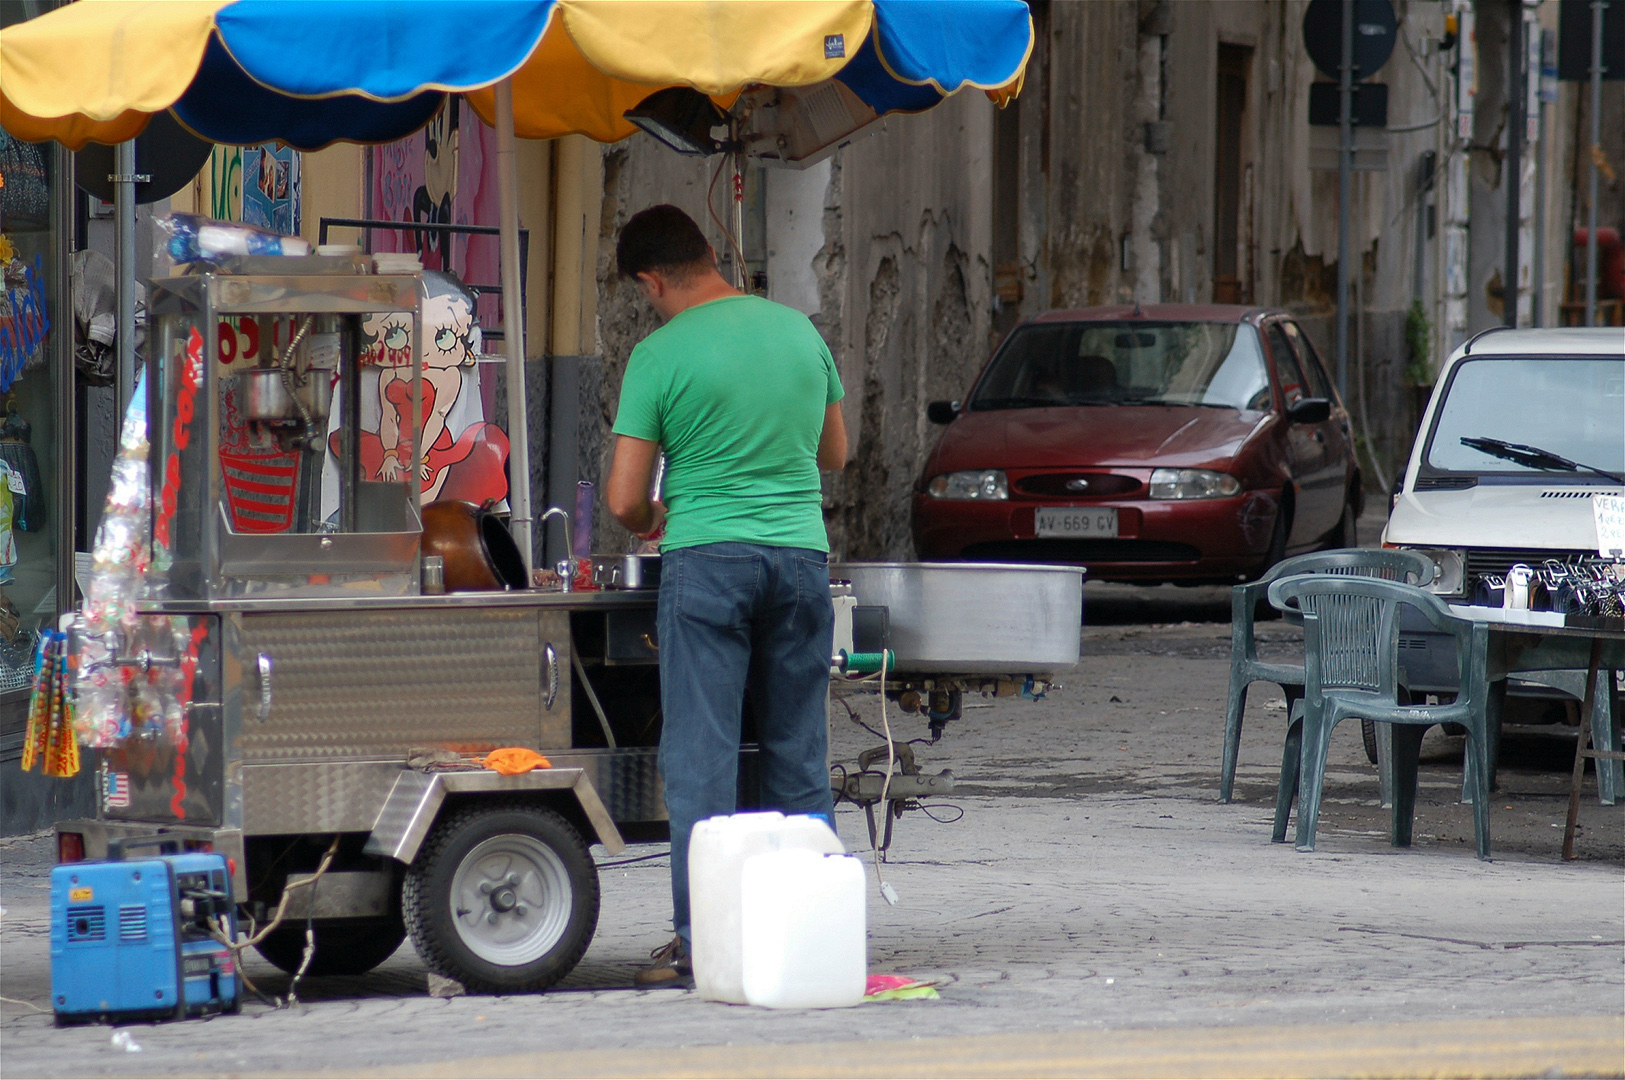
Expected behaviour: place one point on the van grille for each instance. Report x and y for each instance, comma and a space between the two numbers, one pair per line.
1572, 493
1498, 561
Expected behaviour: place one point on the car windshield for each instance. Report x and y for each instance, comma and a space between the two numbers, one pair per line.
1127, 363
1574, 408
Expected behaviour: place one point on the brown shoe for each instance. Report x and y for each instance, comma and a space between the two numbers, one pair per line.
669, 966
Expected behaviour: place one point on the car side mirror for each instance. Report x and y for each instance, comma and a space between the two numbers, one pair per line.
1309, 410
942, 412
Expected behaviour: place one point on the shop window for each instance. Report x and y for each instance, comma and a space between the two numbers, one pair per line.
30, 317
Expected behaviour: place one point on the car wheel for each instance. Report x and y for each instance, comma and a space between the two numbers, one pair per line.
1368, 736
502, 898
343, 947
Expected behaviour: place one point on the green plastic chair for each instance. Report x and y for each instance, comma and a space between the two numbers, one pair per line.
1351, 670
1245, 666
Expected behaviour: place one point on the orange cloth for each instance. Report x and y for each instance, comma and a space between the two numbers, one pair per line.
513, 760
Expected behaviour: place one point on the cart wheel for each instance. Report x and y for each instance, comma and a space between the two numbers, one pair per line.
502, 898
343, 946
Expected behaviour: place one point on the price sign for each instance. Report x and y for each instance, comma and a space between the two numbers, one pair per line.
1609, 511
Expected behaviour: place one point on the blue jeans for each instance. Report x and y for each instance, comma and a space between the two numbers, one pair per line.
734, 619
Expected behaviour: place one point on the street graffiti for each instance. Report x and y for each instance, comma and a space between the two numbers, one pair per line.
271, 187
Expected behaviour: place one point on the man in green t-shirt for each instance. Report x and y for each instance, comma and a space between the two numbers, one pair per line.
742, 396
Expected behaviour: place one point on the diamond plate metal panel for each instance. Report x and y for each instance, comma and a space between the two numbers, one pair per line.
381, 684
627, 780
315, 797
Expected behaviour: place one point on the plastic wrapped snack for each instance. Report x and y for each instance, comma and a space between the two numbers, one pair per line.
187, 238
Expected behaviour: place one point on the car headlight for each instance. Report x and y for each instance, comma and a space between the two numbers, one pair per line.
1192, 484
1449, 570
976, 484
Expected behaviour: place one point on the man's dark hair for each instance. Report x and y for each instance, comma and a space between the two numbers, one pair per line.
663, 239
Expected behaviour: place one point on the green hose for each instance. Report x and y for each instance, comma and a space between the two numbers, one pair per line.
864, 662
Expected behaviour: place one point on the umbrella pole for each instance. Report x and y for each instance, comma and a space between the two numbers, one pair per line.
513, 326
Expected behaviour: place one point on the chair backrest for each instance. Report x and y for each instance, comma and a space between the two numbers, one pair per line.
1388, 564
1351, 638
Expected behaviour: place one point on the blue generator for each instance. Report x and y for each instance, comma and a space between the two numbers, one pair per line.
130, 937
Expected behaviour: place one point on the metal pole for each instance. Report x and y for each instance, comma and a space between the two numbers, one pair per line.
1597, 8
1513, 174
124, 263
1538, 299
513, 326
1345, 167
742, 278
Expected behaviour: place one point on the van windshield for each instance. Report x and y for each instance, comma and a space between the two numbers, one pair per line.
1571, 407
1128, 363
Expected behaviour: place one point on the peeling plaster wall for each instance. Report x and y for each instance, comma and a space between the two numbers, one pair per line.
907, 238
885, 247
888, 246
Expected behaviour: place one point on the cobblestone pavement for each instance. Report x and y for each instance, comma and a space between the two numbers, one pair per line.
1093, 885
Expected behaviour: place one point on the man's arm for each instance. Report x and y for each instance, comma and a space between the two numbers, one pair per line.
832, 442
630, 476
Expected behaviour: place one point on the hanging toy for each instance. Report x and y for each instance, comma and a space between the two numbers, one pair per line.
27, 487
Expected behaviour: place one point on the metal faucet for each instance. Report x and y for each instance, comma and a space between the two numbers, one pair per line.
566, 567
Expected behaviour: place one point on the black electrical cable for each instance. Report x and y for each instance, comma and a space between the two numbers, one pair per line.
926, 808
629, 862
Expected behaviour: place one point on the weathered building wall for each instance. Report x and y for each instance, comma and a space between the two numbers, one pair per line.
885, 247
914, 251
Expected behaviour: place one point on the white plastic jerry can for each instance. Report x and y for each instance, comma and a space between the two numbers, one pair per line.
717, 850
804, 930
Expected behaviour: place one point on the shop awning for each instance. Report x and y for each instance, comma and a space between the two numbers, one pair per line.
320, 71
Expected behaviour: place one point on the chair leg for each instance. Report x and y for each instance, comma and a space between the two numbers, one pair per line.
1311, 780
1407, 750
1478, 751
1291, 752
1385, 764
1234, 706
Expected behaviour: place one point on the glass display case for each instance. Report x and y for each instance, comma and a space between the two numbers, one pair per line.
256, 432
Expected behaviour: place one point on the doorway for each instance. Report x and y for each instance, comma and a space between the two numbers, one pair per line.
1230, 106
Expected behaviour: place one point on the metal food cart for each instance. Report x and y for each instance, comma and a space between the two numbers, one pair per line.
330, 705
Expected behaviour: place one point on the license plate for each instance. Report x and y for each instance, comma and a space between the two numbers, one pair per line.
1075, 521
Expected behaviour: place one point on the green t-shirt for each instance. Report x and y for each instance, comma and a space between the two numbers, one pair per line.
734, 391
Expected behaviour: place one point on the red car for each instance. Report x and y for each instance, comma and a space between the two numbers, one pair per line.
1172, 442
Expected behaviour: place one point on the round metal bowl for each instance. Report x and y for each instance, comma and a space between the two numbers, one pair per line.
975, 618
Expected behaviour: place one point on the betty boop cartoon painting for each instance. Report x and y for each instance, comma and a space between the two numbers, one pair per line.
461, 456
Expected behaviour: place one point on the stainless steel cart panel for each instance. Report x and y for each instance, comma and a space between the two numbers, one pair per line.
315, 796
382, 684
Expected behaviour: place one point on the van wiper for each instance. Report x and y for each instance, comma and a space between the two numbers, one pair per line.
1534, 457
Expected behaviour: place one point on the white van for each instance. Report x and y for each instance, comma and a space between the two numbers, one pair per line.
1523, 427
